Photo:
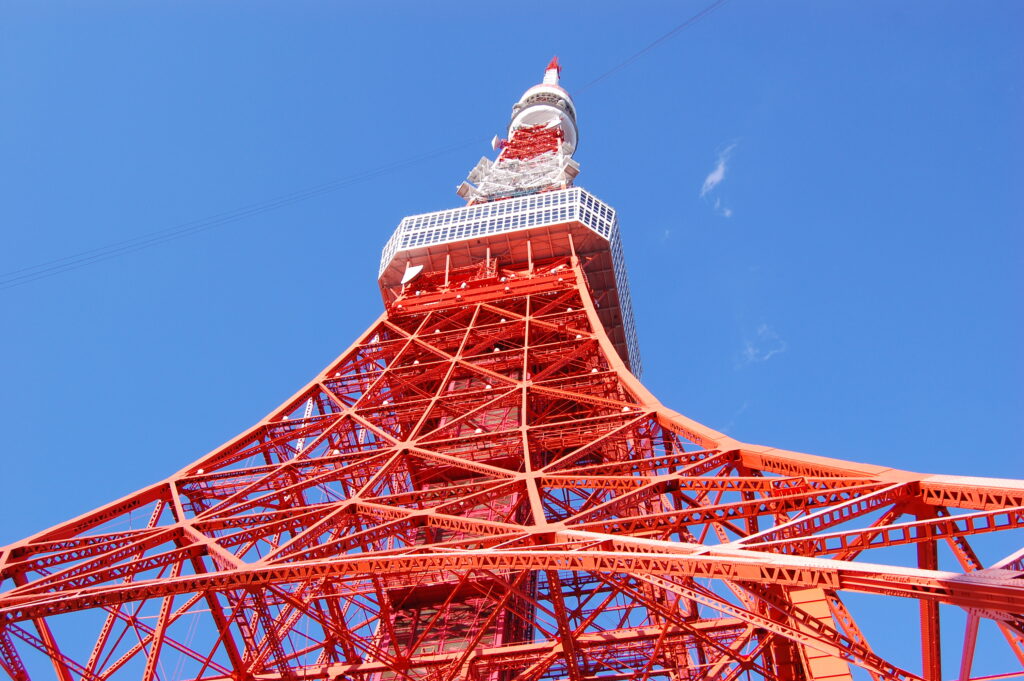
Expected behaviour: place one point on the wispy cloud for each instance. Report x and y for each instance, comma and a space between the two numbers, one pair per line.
716, 176
725, 211
764, 345
727, 428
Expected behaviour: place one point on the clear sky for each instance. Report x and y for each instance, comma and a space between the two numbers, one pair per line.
820, 204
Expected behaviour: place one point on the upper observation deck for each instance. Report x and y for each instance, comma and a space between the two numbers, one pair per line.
539, 225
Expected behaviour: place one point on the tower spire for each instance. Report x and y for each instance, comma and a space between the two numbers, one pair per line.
537, 152
554, 69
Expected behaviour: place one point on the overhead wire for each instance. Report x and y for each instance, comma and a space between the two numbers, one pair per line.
650, 46
56, 266
50, 268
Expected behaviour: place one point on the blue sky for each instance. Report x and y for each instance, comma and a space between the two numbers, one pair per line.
850, 286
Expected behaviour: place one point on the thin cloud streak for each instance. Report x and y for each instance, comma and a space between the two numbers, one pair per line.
762, 347
722, 210
716, 176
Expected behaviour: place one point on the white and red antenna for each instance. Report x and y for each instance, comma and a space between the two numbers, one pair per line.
553, 71
537, 154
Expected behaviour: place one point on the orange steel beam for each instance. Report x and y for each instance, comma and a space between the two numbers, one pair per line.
618, 554
931, 650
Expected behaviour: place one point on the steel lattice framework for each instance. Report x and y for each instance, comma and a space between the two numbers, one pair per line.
479, 488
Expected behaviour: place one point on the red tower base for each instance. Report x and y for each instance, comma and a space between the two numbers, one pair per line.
479, 489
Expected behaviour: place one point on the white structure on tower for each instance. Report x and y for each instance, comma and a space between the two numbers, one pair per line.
537, 154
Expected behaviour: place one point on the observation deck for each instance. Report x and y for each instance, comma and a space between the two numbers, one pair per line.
537, 226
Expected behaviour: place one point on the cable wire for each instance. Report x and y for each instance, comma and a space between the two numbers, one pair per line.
50, 268
57, 266
671, 34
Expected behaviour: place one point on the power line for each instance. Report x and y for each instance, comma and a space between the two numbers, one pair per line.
57, 266
50, 268
671, 34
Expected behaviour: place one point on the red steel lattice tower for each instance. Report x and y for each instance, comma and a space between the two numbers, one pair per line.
480, 488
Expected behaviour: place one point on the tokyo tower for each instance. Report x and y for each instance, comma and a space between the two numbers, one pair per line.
480, 488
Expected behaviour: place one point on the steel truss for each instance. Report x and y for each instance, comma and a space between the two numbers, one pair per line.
479, 489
